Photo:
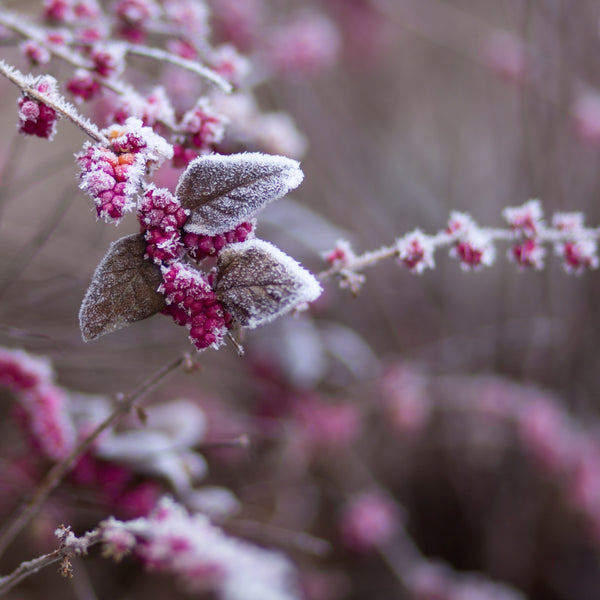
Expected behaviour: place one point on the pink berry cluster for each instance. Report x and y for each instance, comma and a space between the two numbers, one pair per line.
105, 175
526, 221
473, 246
415, 251
35, 117
341, 255
200, 129
54, 419
192, 303
42, 407
115, 486
112, 175
71, 11
162, 217
200, 247
134, 16
202, 556
578, 250
106, 61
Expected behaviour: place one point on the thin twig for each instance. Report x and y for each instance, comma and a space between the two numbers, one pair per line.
356, 264
190, 65
53, 478
69, 547
62, 108
28, 568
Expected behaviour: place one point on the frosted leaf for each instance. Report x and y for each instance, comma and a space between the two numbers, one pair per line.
223, 191
123, 289
156, 453
215, 502
257, 282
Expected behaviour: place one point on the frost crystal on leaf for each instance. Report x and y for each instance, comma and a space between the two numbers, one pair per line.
222, 191
257, 282
123, 289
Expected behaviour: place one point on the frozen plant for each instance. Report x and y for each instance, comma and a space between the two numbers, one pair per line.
474, 246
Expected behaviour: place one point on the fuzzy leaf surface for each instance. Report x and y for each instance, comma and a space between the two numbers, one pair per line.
257, 282
223, 191
123, 289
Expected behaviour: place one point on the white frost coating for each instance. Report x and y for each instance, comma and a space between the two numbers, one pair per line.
155, 453
310, 288
183, 420
212, 501
156, 150
261, 282
190, 547
223, 191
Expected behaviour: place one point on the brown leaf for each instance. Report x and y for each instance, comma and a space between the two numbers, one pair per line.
123, 289
257, 282
223, 191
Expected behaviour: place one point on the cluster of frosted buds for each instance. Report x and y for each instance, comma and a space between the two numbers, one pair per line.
152, 109
35, 53
112, 175
171, 541
106, 61
201, 128
200, 247
71, 11
227, 62
340, 255
42, 406
473, 246
115, 486
35, 117
83, 86
162, 217
579, 252
192, 303
134, 16
526, 220
416, 251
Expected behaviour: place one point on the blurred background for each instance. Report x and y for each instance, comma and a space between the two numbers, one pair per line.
439, 432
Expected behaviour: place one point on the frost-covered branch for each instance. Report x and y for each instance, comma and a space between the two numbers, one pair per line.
43, 91
53, 478
474, 246
69, 546
190, 65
